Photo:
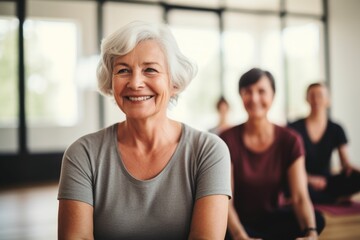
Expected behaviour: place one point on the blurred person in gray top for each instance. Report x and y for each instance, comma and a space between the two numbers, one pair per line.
148, 177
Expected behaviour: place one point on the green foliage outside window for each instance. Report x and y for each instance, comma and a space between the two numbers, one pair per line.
8, 71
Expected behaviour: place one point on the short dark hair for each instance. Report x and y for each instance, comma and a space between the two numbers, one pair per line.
316, 84
253, 76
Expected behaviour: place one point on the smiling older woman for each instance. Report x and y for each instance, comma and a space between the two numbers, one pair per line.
148, 177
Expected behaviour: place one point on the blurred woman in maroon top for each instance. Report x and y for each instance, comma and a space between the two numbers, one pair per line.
266, 159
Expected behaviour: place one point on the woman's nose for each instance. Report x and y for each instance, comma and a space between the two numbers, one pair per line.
136, 81
254, 97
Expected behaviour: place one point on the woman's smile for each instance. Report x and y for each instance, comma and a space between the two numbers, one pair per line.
138, 98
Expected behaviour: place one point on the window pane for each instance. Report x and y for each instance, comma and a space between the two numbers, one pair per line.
254, 4
118, 14
9, 27
305, 6
60, 62
303, 45
197, 3
115, 16
252, 41
198, 37
50, 67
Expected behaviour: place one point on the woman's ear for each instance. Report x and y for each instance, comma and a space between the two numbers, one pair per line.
328, 103
174, 90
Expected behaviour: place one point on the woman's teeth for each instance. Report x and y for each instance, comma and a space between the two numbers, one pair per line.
138, 99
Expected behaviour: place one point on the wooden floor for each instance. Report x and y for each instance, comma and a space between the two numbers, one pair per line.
30, 213
342, 227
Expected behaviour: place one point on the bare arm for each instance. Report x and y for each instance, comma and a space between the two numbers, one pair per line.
236, 229
209, 218
300, 197
75, 220
345, 159
317, 182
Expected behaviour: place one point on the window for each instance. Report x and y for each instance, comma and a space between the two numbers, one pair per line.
304, 54
197, 3
252, 41
255, 4
51, 54
9, 27
62, 51
305, 6
60, 63
196, 105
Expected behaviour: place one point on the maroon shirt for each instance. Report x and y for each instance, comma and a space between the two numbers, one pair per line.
260, 177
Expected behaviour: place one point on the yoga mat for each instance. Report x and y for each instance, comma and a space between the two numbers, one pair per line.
350, 208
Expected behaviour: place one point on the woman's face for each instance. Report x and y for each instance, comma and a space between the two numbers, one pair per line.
141, 83
257, 98
318, 98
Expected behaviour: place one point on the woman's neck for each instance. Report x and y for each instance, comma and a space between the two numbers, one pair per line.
258, 135
258, 127
318, 116
149, 134
223, 121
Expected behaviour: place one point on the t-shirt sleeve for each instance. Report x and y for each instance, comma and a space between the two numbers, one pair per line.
213, 175
76, 175
297, 126
296, 147
340, 136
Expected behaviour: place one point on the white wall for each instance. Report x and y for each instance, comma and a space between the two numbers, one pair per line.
344, 31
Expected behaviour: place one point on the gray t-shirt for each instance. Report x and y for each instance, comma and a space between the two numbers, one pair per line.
159, 208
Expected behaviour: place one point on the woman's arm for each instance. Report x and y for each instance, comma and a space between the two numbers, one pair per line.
345, 159
300, 197
209, 218
317, 182
235, 227
75, 220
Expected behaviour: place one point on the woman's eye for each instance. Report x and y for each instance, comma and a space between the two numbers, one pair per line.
123, 70
150, 70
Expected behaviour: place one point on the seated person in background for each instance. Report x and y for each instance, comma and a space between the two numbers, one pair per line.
222, 107
147, 177
265, 159
321, 136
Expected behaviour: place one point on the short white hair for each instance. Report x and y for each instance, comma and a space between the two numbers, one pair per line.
124, 40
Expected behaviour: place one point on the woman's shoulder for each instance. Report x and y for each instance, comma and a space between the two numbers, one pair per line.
336, 131
297, 123
232, 131
94, 139
334, 124
200, 138
290, 141
286, 133
192, 133
203, 148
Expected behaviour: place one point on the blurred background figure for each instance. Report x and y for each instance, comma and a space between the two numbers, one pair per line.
265, 159
321, 137
222, 107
